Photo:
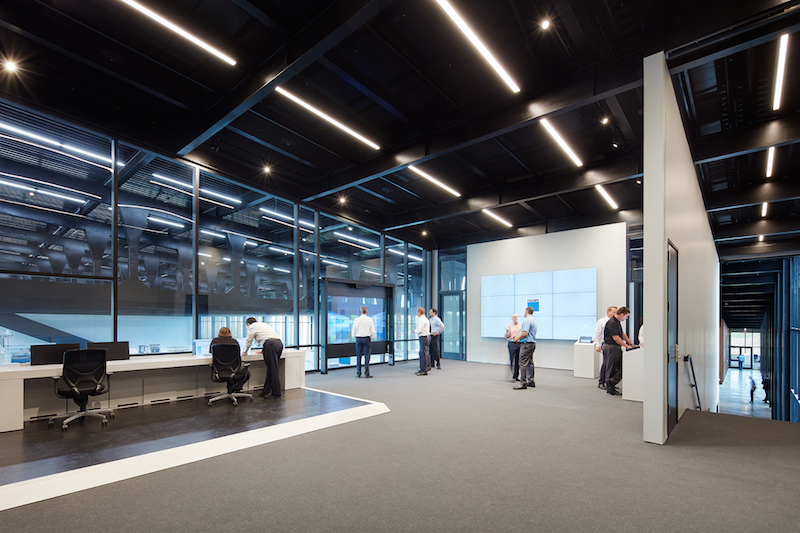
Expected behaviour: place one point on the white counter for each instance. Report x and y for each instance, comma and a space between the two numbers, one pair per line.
585, 362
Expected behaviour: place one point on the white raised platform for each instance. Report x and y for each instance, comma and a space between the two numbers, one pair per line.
26, 392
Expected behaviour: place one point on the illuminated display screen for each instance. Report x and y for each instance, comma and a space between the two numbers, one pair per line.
564, 302
343, 310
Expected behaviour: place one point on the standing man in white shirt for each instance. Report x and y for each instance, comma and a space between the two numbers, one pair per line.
512, 331
364, 333
423, 331
437, 328
598, 343
271, 349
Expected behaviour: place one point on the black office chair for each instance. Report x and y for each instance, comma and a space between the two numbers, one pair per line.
227, 367
83, 375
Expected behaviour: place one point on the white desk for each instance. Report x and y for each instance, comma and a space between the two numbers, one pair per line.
585, 362
26, 392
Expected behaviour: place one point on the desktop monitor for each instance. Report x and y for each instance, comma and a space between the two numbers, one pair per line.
585, 340
50, 354
115, 351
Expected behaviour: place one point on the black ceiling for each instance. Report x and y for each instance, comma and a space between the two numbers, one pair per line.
400, 73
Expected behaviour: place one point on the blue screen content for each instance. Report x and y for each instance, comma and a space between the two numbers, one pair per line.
564, 302
343, 310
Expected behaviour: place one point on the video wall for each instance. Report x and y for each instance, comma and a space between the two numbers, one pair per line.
343, 310
564, 302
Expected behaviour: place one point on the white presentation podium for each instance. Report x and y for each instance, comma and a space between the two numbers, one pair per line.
585, 362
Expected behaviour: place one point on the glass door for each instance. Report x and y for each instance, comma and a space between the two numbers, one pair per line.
452, 314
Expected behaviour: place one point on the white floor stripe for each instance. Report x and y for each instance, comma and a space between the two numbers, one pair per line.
44, 488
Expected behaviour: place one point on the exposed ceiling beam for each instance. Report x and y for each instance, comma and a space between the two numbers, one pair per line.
773, 191
300, 51
782, 131
767, 227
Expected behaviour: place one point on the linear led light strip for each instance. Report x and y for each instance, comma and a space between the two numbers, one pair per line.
487, 55
780, 74
323, 116
334, 263
362, 241
183, 33
353, 244
23, 178
764, 209
770, 160
398, 252
59, 152
605, 194
187, 193
53, 142
42, 192
204, 191
434, 180
501, 220
285, 223
170, 213
564, 146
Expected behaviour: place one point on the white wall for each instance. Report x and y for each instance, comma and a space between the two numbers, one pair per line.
674, 212
603, 247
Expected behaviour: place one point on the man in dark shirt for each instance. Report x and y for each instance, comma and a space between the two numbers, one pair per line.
613, 341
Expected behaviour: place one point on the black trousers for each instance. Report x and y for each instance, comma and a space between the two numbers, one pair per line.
435, 340
612, 353
271, 351
241, 376
513, 358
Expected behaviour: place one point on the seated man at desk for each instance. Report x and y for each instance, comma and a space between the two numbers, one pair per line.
271, 349
225, 337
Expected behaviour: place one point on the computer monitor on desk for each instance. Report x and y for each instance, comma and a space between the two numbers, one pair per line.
115, 351
50, 354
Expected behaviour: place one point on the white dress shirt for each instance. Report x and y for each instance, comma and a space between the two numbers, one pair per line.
423, 328
363, 326
598, 331
260, 331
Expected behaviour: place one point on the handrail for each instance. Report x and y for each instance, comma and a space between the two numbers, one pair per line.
688, 358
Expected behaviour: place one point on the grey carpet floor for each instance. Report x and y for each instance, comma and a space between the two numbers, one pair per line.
462, 451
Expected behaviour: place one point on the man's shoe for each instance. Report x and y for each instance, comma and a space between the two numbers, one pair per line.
532, 384
438, 367
368, 376
521, 387
358, 375
420, 373
601, 386
613, 392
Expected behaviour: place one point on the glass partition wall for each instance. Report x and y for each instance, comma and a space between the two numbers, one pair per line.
192, 251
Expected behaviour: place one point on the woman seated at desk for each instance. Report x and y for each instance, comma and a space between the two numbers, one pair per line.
224, 337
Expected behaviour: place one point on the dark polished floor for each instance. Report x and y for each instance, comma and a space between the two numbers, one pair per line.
39, 450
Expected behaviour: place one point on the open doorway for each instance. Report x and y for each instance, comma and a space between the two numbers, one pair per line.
742, 389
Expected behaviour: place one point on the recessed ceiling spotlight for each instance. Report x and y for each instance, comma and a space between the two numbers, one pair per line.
424, 233
615, 144
10, 66
302, 103
487, 55
180, 31
545, 24
604, 121
341, 199
349, 228
267, 169
638, 182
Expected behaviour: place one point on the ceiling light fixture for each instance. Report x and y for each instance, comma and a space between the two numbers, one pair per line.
353, 244
497, 218
202, 190
334, 263
29, 134
167, 222
267, 169
323, 116
34, 190
604, 121
564, 146
201, 254
760, 238
213, 234
487, 55
398, 252
341, 199
770, 160
362, 241
251, 243
183, 33
10, 66
32, 180
434, 180
608, 198
281, 250
276, 269
781, 71
545, 24
764, 209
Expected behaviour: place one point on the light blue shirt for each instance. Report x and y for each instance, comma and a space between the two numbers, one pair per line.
529, 325
437, 326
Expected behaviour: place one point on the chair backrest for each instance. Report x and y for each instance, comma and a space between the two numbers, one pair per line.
225, 360
85, 369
